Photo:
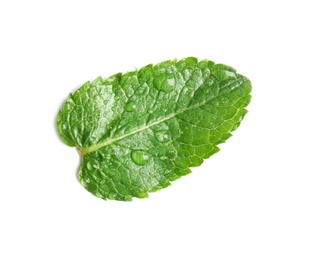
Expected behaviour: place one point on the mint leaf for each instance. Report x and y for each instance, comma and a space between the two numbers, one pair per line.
138, 131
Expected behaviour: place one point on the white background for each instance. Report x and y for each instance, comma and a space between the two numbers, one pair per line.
249, 201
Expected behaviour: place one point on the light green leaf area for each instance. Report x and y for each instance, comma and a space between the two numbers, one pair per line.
138, 131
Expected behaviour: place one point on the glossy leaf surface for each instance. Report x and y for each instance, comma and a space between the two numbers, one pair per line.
138, 131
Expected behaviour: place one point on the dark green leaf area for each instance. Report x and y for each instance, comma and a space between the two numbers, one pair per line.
141, 130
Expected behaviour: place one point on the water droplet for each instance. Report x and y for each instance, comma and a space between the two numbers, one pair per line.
92, 165
131, 106
230, 74
165, 85
163, 158
166, 172
89, 166
162, 136
105, 102
168, 85
111, 196
140, 157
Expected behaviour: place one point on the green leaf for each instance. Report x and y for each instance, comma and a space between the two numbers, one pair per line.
138, 131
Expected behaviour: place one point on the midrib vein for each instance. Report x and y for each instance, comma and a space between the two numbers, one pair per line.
96, 147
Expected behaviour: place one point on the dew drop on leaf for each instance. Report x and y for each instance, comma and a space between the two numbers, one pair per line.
166, 172
168, 85
162, 136
163, 158
140, 157
131, 106
89, 166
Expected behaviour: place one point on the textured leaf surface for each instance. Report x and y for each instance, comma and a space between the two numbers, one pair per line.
138, 131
